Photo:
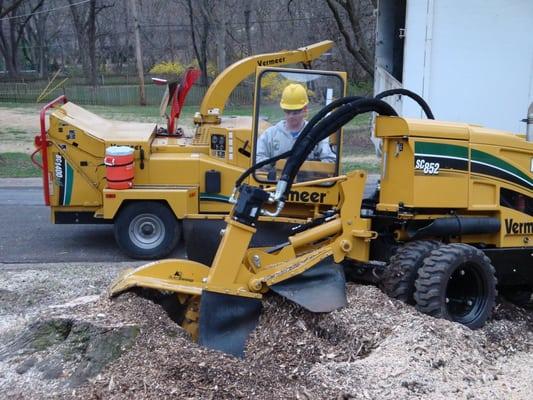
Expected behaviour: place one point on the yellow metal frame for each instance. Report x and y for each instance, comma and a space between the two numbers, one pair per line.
181, 200
216, 96
247, 272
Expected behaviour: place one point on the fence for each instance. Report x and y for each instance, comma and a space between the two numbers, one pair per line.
113, 95
124, 94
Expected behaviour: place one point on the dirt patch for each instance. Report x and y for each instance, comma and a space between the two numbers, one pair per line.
374, 348
18, 128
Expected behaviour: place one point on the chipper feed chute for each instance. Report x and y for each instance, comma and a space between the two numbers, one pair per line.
304, 270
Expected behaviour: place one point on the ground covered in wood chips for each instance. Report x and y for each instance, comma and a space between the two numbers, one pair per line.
71, 341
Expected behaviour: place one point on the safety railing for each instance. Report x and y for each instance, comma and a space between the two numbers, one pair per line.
41, 144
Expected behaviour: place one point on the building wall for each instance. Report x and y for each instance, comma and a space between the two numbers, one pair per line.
471, 60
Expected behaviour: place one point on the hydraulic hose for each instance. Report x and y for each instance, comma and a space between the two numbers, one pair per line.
421, 102
312, 122
323, 129
323, 113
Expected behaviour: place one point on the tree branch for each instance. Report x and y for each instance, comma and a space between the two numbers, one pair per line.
353, 48
8, 9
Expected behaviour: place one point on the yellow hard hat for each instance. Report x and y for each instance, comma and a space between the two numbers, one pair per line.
294, 97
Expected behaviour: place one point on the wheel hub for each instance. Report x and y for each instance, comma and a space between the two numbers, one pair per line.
465, 294
147, 231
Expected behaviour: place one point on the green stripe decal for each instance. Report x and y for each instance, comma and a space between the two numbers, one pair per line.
490, 160
498, 163
69, 178
214, 197
439, 149
480, 159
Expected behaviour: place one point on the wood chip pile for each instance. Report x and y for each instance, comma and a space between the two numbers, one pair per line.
374, 348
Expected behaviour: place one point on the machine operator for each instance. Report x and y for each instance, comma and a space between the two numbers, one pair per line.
281, 137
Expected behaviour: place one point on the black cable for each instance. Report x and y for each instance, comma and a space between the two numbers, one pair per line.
337, 118
259, 165
323, 113
405, 92
328, 125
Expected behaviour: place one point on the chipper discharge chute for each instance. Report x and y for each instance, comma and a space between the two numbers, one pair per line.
305, 269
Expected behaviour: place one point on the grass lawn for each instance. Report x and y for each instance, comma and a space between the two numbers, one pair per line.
369, 167
17, 165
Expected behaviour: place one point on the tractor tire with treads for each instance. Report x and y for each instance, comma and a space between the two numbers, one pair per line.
457, 282
398, 280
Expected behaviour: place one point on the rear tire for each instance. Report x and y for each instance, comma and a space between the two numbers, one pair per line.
398, 280
147, 230
457, 282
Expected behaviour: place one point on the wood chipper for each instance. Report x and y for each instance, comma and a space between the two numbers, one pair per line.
176, 178
455, 202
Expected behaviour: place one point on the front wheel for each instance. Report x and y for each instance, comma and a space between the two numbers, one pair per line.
147, 230
457, 282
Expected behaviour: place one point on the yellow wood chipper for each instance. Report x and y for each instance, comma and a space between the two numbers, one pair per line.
454, 204
178, 178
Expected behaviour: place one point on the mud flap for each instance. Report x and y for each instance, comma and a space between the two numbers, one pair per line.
226, 321
319, 289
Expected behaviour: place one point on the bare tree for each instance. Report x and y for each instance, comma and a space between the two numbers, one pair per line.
200, 28
7, 7
12, 27
37, 36
247, 25
138, 52
352, 18
84, 19
219, 20
99, 37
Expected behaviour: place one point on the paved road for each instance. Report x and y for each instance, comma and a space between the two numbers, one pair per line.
28, 236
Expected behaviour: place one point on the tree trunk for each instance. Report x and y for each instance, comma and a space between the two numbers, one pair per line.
247, 27
352, 34
81, 38
91, 38
200, 49
41, 40
138, 52
221, 37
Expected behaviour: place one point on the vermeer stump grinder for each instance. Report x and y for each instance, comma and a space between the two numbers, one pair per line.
454, 204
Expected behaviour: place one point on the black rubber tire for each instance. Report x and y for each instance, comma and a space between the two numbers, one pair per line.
457, 282
398, 280
147, 230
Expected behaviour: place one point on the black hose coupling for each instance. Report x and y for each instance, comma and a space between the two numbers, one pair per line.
249, 205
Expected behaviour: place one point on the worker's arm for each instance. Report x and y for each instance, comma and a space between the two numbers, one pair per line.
264, 146
323, 152
219, 91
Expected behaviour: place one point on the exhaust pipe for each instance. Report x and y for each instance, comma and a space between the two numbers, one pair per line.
529, 122
455, 226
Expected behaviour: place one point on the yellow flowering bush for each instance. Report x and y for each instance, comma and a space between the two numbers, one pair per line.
176, 68
168, 68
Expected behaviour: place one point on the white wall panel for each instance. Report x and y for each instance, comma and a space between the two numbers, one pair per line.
472, 60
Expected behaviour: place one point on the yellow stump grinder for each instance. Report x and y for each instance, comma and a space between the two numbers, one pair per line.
454, 204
